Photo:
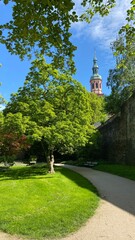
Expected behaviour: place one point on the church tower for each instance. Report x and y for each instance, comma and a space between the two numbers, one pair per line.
96, 79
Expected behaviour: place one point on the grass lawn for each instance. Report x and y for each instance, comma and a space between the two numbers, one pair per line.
38, 205
120, 170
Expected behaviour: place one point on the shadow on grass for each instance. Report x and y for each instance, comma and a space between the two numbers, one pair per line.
41, 171
117, 190
27, 172
78, 179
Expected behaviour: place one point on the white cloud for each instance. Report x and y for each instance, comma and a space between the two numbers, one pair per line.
103, 29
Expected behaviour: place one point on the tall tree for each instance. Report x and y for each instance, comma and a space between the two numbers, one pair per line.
121, 79
127, 33
60, 107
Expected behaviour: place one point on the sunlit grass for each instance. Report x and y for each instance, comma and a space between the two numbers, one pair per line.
39, 205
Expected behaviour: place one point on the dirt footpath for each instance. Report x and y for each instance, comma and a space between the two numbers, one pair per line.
115, 217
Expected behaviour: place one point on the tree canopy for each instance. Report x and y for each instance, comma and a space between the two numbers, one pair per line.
121, 79
60, 110
127, 33
45, 27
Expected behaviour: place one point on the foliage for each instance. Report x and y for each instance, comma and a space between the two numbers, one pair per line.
12, 138
91, 151
2, 100
46, 28
98, 105
10, 144
121, 80
61, 112
1, 119
128, 34
41, 206
37, 150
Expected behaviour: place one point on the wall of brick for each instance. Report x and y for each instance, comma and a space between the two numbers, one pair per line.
118, 135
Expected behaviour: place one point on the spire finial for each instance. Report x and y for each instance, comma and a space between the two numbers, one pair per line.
95, 58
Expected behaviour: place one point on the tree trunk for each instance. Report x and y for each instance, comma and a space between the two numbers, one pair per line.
44, 151
6, 164
50, 160
5, 161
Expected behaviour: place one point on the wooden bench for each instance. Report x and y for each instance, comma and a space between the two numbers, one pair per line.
32, 162
90, 164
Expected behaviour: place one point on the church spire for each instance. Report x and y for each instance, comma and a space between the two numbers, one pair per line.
95, 66
96, 79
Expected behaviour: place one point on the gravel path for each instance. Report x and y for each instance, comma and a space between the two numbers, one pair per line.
115, 217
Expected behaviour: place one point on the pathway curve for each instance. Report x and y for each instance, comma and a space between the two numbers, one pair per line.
115, 217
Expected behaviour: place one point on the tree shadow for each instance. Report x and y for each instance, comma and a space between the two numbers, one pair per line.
114, 189
41, 171
77, 179
27, 172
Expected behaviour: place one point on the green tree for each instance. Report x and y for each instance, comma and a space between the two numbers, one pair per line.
60, 110
98, 105
44, 26
127, 34
121, 79
2, 100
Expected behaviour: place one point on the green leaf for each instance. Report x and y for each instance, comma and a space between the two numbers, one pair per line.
6, 1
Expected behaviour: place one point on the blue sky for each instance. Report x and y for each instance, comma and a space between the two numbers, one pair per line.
87, 37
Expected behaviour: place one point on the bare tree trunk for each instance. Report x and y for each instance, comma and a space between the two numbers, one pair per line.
50, 160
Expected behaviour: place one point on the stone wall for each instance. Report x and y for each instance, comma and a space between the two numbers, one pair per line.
118, 135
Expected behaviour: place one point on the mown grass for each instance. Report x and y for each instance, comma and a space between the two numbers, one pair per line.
120, 170
38, 205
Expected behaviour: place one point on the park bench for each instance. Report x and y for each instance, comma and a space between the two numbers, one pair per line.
90, 164
32, 162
